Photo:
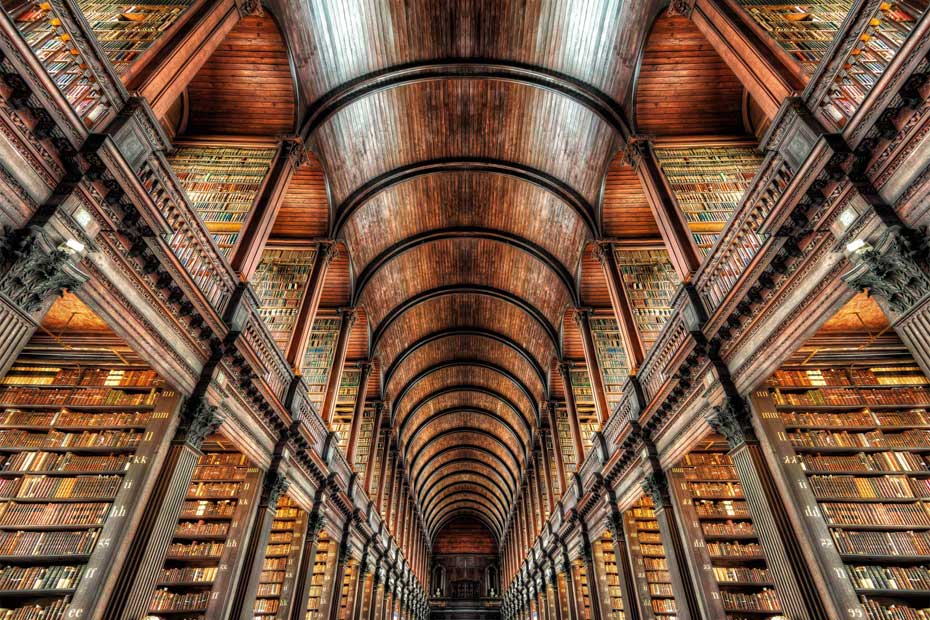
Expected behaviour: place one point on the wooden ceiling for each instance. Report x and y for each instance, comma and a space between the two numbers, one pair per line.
465, 154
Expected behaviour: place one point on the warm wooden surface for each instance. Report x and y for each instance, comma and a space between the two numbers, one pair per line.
464, 536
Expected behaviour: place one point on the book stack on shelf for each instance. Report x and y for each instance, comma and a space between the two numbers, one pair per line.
282, 556
279, 283
346, 596
363, 446
650, 566
855, 428
341, 423
222, 183
377, 464
584, 405
54, 47
565, 438
805, 31
650, 282
713, 510
124, 31
318, 358
320, 579
611, 357
708, 183
605, 556
75, 437
584, 591
195, 578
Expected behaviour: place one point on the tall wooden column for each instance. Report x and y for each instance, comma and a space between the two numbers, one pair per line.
656, 485
163, 79
315, 523
672, 224
361, 578
557, 447
145, 555
571, 592
554, 585
572, 407
547, 469
339, 574
253, 552
539, 490
309, 304
622, 559
34, 269
258, 224
358, 413
769, 77
583, 320
372, 457
592, 571
375, 605
796, 585
339, 359
620, 302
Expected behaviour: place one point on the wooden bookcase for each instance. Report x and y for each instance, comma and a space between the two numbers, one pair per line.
198, 574
341, 424
609, 577
708, 182
584, 590
282, 556
611, 357
363, 447
650, 282
54, 47
279, 282
565, 438
80, 424
318, 358
650, 567
320, 581
584, 404
805, 31
222, 183
850, 425
732, 569
346, 596
125, 31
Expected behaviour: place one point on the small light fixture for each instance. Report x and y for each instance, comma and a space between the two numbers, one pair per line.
857, 245
74, 245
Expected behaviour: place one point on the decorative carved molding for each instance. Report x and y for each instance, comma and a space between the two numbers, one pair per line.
655, 485
680, 8
33, 270
273, 485
897, 268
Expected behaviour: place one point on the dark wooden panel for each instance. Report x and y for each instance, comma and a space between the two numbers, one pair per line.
336, 287
245, 88
684, 87
593, 284
464, 535
465, 118
625, 212
304, 214
463, 399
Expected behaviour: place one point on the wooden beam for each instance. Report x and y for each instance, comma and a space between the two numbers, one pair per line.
583, 319
339, 361
309, 304
623, 309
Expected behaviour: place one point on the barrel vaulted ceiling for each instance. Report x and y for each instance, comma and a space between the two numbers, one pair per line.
465, 145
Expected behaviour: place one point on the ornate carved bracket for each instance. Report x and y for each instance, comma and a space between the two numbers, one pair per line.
655, 485
32, 270
897, 268
198, 419
732, 420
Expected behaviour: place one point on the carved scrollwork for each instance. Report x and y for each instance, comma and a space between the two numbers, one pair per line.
198, 419
897, 269
33, 270
655, 485
732, 420
273, 485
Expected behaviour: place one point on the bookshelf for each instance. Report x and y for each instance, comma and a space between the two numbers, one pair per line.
222, 183
734, 574
346, 594
320, 580
124, 31
850, 423
378, 465
805, 31
708, 183
318, 358
363, 447
55, 49
79, 428
196, 578
611, 357
650, 282
282, 556
279, 282
584, 405
609, 577
584, 591
565, 438
650, 566
341, 423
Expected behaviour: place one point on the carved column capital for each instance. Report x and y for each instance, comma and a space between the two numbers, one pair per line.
635, 150
294, 150
273, 485
680, 8
732, 420
655, 484
198, 419
250, 7
896, 268
32, 269
328, 251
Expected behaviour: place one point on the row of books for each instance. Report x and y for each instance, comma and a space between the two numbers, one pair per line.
731, 549
868, 462
108, 377
40, 461
763, 600
188, 574
890, 577
866, 417
728, 528
872, 487
166, 600
19, 578
54, 610
72, 397
876, 439
64, 418
26, 544
716, 489
58, 487
88, 513
219, 472
893, 611
56, 439
196, 550
741, 574
852, 396
877, 376
866, 543
849, 513
189, 529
